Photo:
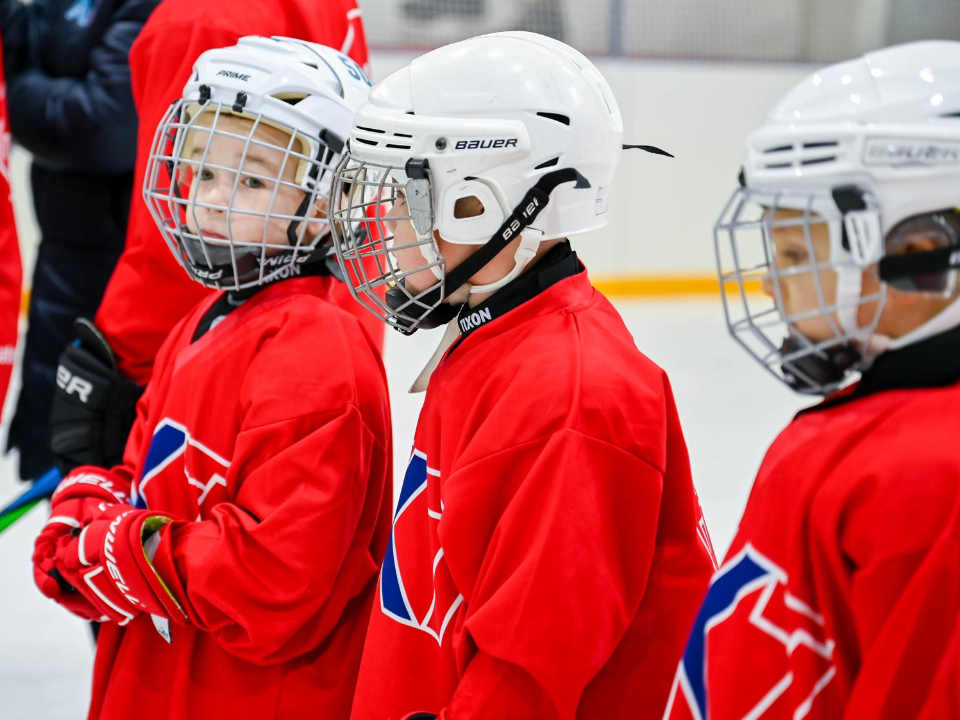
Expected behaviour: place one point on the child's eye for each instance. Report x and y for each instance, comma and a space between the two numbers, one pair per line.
794, 256
253, 183
206, 174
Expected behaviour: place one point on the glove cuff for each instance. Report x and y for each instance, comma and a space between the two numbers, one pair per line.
138, 580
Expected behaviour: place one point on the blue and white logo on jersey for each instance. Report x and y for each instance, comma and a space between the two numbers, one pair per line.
178, 458
752, 616
416, 589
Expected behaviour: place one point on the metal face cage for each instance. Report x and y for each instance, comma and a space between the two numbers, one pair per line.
254, 229
813, 346
373, 205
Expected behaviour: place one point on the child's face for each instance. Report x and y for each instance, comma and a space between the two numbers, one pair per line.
409, 257
262, 168
404, 249
798, 286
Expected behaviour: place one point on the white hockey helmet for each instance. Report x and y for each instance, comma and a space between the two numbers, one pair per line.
310, 93
521, 122
871, 149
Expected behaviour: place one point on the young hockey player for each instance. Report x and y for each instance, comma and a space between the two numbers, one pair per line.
841, 591
233, 554
548, 550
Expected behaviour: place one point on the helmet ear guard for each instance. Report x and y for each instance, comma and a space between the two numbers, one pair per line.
475, 229
929, 271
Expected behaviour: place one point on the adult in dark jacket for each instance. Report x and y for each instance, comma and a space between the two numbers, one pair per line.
71, 105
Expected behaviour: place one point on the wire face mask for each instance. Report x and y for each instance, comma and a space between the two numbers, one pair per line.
807, 255
236, 194
382, 222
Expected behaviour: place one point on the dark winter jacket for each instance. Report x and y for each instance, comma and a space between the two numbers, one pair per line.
68, 80
71, 106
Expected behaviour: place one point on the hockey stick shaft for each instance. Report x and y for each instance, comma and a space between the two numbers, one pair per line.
42, 488
11, 517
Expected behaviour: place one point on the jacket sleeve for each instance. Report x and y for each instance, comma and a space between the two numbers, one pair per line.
86, 122
562, 578
901, 538
23, 26
270, 573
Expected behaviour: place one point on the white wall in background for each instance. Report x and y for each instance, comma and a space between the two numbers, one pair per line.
661, 210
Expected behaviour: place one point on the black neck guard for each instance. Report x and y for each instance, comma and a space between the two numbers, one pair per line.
558, 264
930, 363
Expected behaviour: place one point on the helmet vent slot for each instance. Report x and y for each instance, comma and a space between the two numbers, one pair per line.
373, 130
562, 119
548, 163
366, 142
781, 148
290, 99
817, 161
398, 147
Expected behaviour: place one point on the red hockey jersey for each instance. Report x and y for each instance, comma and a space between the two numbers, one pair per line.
268, 441
131, 315
841, 590
10, 268
547, 554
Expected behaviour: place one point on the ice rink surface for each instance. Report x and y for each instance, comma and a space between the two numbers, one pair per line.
729, 407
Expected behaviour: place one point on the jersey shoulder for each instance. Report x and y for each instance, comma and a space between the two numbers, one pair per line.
574, 369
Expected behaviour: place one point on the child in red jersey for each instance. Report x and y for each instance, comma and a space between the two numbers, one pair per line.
232, 554
840, 593
548, 550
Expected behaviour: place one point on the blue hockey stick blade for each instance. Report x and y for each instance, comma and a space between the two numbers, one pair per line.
42, 488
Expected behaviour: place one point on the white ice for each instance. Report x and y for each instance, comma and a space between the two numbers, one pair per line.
729, 407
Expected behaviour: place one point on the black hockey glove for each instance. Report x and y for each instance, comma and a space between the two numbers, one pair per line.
94, 406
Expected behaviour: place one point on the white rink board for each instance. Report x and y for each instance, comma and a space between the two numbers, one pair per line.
730, 410
662, 211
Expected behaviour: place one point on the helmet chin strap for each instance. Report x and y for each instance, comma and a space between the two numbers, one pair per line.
529, 242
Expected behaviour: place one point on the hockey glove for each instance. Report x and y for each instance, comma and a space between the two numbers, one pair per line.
107, 563
78, 499
94, 406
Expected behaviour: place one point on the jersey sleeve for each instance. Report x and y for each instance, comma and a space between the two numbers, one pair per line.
270, 573
562, 578
900, 536
10, 267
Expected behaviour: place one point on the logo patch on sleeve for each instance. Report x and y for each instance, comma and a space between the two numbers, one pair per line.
175, 458
771, 655
415, 585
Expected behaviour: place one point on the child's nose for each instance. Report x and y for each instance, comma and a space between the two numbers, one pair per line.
217, 194
766, 286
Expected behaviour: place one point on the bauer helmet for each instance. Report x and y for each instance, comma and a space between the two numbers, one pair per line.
523, 124
868, 150
299, 99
